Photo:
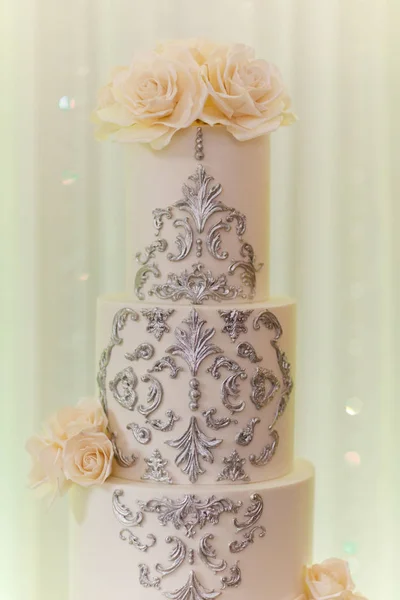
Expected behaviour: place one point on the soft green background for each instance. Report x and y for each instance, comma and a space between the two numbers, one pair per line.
335, 246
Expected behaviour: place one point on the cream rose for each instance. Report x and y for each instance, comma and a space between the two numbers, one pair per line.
87, 458
47, 466
154, 98
246, 94
88, 415
200, 49
330, 580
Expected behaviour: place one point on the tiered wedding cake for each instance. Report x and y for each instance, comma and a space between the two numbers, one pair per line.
196, 362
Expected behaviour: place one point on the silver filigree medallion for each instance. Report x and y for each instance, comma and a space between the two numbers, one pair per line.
123, 388
157, 320
233, 469
235, 322
156, 469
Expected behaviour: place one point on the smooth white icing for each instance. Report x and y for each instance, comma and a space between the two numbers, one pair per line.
176, 391
103, 566
155, 180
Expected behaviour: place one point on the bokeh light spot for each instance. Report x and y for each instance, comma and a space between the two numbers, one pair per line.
354, 406
66, 103
352, 458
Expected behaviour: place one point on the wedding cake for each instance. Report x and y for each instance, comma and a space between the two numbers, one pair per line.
196, 374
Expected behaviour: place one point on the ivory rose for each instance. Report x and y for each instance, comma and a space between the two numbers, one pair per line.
47, 466
87, 458
246, 94
330, 580
154, 98
87, 415
200, 49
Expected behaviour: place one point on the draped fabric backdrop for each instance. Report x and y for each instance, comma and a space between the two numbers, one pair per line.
335, 246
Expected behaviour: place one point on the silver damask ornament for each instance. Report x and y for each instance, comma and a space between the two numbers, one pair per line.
143, 351
166, 362
167, 425
235, 322
154, 395
261, 393
249, 267
156, 469
230, 390
233, 468
150, 251
123, 388
193, 446
245, 436
192, 590
140, 433
142, 276
208, 554
268, 451
158, 218
146, 580
122, 459
214, 241
252, 515
217, 422
127, 536
124, 514
234, 579
177, 556
119, 321
248, 538
184, 241
246, 350
157, 320
190, 512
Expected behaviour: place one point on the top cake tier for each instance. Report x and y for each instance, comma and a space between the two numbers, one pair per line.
198, 219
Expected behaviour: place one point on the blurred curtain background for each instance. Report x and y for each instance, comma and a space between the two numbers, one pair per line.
335, 246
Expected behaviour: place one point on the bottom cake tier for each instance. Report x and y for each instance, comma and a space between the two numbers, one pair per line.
144, 541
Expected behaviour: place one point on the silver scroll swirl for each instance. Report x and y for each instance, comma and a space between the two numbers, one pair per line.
196, 286
246, 350
141, 434
144, 351
233, 468
156, 470
166, 362
253, 513
144, 577
230, 390
190, 512
154, 396
142, 276
248, 538
184, 242
123, 460
127, 536
245, 435
123, 388
150, 251
214, 422
234, 579
177, 556
119, 321
268, 451
158, 218
208, 554
192, 590
168, 425
249, 267
261, 395
124, 514
214, 242
193, 446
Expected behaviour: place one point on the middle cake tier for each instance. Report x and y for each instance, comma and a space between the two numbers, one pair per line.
198, 394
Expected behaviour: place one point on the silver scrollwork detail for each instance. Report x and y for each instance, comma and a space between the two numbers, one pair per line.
192, 590
143, 351
248, 538
235, 322
249, 267
233, 469
159, 425
127, 536
267, 453
150, 251
124, 514
157, 320
230, 386
158, 218
190, 512
193, 445
177, 556
141, 434
121, 459
253, 513
214, 422
245, 435
246, 350
156, 470
196, 286
208, 554
142, 276
184, 242
119, 321
154, 395
123, 388
214, 241
261, 395
145, 580
234, 579
166, 362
